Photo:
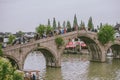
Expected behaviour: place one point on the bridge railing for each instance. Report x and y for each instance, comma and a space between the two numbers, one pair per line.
33, 41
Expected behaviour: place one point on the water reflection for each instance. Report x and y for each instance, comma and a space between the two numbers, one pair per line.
53, 74
74, 67
104, 71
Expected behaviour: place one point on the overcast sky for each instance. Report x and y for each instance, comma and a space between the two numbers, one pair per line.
26, 15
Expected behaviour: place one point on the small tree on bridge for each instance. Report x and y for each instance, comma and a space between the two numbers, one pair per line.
106, 34
59, 41
40, 29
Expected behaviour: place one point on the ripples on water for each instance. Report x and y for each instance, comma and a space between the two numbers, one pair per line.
74, 67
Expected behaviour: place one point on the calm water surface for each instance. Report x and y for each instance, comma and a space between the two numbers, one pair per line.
74, 67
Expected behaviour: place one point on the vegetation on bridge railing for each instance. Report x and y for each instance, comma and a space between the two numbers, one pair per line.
106, 34
59, 41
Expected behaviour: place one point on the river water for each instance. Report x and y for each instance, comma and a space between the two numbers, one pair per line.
74, 67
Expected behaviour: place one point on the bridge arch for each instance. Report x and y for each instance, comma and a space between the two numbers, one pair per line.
50, 56
93, 48
13, 61
115, 48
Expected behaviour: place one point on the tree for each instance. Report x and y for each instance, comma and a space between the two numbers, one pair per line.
20, 33
90, 24
54, 23
11, 39
6, 69
7, 72
75, 24
64, 24
69, 26
49, 29
18, 75
82, 26
41, 29
106, 34
49, 22
59, 26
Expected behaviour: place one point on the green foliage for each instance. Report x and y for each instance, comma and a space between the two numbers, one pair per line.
54, 23
106, 34
40, 29
49, 29
6, 69
11, 39
18, 75
59, 41
69, 29
90, 24
7, 72
1, 52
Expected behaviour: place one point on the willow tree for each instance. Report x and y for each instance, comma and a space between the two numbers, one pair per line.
106, 34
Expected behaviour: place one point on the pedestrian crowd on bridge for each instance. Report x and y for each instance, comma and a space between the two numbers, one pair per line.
24, 39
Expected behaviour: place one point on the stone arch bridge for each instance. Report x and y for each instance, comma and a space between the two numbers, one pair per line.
52, 54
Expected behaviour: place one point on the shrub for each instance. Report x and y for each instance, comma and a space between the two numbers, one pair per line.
59, 41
